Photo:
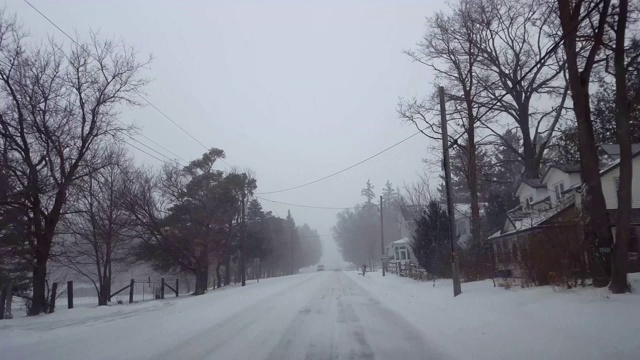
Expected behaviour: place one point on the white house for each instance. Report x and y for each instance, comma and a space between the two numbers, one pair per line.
559, 190
400, 251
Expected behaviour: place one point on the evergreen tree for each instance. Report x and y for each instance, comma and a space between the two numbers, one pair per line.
431, 242
368, 193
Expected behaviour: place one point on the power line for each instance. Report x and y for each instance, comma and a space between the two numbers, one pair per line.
305, 206
343, 170
143, 151
549, 52
138, 133
137, 92
152, 149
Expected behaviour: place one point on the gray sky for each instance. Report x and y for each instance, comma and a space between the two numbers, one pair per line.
293, 90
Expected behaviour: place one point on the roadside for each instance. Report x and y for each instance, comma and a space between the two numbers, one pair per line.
135, 331
494, 323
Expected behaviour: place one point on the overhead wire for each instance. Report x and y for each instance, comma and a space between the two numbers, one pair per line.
137, 92
305, 206
343, 170
549, 52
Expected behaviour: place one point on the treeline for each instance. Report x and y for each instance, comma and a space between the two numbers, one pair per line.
71, 195
357, 231
528, 83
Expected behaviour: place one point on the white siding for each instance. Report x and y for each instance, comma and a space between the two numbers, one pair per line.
575, 179
553, 178
526, 192
609, 186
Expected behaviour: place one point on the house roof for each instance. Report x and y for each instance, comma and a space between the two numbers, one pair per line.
616, 163
566, 168
534, 183
402, 241
613, 150
531, 220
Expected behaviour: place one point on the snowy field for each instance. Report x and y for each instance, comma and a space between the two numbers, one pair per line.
340, 315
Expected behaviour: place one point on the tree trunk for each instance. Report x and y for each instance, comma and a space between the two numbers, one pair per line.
594, 204
39, 282
201, 281
105, 292
227, 269
218, 277
620, 256
531, 166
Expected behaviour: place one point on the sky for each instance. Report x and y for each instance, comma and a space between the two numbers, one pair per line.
293, 90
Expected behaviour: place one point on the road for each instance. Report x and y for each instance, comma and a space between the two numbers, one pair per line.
329, 316
323, 315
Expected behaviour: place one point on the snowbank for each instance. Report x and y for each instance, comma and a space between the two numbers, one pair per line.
535, 323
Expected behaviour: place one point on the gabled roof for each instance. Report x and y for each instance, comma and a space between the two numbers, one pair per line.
616, 163
566, 168
531, 220
532, 183
613, 150
403, 241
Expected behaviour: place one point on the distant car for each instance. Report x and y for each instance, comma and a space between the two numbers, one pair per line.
320, 267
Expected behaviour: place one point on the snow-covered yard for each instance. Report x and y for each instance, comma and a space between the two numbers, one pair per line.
535, 323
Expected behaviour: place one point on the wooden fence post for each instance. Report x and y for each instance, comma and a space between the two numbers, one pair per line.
52, 299
70, 294
131, 291
177, 287
162, 288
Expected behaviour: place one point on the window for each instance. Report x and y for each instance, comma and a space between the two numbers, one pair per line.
529, 200
397, 257
616, 182
403, 255
559, 189
408, 255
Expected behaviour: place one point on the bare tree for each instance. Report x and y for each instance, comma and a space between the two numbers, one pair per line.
448, 49
512, 39
58, 108
98, 226
583, 24
625, 101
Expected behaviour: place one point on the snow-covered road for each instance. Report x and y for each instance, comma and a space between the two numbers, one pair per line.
325, 315
341, 315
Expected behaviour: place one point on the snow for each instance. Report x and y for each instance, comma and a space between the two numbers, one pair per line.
533, 323
401, 241
322, 315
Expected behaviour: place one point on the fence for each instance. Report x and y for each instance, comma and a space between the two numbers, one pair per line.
409, 270
156, 290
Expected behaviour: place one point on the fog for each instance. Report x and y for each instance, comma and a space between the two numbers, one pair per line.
292, 90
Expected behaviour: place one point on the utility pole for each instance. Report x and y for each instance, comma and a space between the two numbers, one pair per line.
243, 234
455, 273
382, 258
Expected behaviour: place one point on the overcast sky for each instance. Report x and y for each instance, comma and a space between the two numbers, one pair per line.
294, 90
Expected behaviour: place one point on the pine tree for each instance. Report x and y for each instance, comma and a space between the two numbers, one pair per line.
431, 242
368, 193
